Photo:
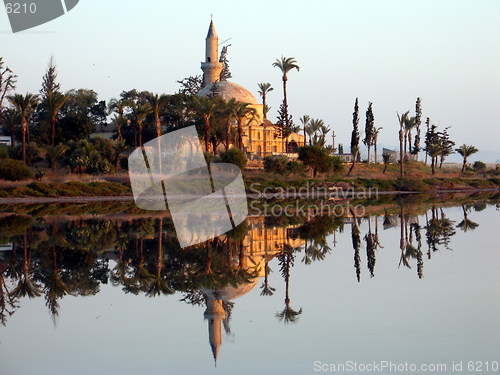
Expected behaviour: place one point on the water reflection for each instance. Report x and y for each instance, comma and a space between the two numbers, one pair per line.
55, 257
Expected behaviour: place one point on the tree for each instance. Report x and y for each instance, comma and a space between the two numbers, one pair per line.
243, 111
205, 107
286, 64
387, 159
465, 151
409, 124
139, 113
77, 118
418, 122
402, 121
49, 84
54, 153
157, 103
319, 160
446, 146
25, 106
225, 73
227, 110
305, 122
53, 102
375, 141
11, 119
264, 89
191, 85
369, 129
7, 81
317, 131
354, 135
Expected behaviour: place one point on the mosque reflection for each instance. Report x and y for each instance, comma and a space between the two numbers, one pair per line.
52, 258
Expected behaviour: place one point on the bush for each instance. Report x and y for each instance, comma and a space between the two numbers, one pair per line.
275, 164
479, 166
319, 160
295, 168
14, 170
234, 156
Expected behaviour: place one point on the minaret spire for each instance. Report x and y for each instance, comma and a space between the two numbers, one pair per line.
211, 66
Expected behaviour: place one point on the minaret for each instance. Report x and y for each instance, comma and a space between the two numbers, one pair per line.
215, 314
211, 67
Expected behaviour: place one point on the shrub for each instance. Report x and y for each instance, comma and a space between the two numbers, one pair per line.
319, 160
478, 166
275, 164
295, 168
234, 156
14, 170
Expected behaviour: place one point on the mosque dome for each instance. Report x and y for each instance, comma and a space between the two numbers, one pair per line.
231, 293
228, 90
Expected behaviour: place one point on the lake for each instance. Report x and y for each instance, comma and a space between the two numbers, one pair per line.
104, 288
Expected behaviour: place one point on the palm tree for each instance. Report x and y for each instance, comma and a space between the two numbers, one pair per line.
10, 118
402, 121
25, 106
467, 224
409, 124
387, 159
465, 151
434, 151
286, 64
157, 103
267, 290
305, 122
54, 102
205, 107
158, 286
54, 153
119, 122
243, 111
118, 106
227, 109
139, 113
26, 286
265, 88
375, 140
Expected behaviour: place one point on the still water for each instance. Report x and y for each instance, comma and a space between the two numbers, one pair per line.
88, 290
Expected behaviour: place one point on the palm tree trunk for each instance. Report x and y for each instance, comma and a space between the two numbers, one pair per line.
207, 126
368, 154
401, 154
12, 137
24, 127
53, 131
240, 135
463, 165
264, 138
158, 135
140, 135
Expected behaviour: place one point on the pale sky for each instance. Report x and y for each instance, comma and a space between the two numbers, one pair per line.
387, 52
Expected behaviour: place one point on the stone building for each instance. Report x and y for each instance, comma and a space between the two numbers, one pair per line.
260, 137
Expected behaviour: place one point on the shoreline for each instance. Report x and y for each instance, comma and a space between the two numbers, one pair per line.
335, 194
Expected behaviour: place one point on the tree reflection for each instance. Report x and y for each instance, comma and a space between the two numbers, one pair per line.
286, 261
466, 224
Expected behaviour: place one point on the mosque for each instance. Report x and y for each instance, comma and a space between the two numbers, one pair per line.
260, 137
260, 246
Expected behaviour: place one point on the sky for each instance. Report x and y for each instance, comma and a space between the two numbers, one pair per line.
385, 52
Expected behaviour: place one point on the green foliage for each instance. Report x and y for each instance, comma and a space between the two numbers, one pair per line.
14, 170
479, 166
85, 157
275, 164
234, 156
319, 160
